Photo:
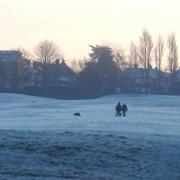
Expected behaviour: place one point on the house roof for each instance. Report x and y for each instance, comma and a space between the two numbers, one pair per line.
134, 72
9, 56
60, 68
139, 73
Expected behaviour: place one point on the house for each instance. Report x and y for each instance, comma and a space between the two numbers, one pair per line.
59, 75
133, 80
10, 70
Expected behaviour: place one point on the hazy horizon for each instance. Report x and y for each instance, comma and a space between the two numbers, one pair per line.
73, 25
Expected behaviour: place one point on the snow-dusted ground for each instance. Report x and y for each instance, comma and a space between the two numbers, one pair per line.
41, 139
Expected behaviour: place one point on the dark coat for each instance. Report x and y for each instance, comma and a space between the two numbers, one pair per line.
124, 108
118, 107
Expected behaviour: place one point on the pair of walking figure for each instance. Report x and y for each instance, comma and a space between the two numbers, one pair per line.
121, 109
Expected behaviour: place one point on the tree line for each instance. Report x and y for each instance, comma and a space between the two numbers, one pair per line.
104, 68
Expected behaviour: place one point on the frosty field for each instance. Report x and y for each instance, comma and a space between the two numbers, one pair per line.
41, 139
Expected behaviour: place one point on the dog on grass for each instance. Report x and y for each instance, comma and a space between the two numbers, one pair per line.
77, 114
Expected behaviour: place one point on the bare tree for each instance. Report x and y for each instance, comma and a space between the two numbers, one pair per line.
144, 54
133, 56
82, 64
20, 68
119, 57
25, 54
25, 57
46, 52
158, 53
172, 53
78, 65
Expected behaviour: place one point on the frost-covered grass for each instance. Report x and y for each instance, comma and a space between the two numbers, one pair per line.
41, 139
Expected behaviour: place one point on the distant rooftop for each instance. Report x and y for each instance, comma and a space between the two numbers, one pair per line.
9, 56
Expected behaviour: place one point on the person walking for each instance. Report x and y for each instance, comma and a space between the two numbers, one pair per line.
118, 109
124, 109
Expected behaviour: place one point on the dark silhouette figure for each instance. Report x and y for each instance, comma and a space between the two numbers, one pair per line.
118, 109
124, 109
77, 114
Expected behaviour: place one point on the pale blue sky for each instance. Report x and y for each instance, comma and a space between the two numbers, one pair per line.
74, 24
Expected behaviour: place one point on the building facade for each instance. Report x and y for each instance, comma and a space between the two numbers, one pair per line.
10, 69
